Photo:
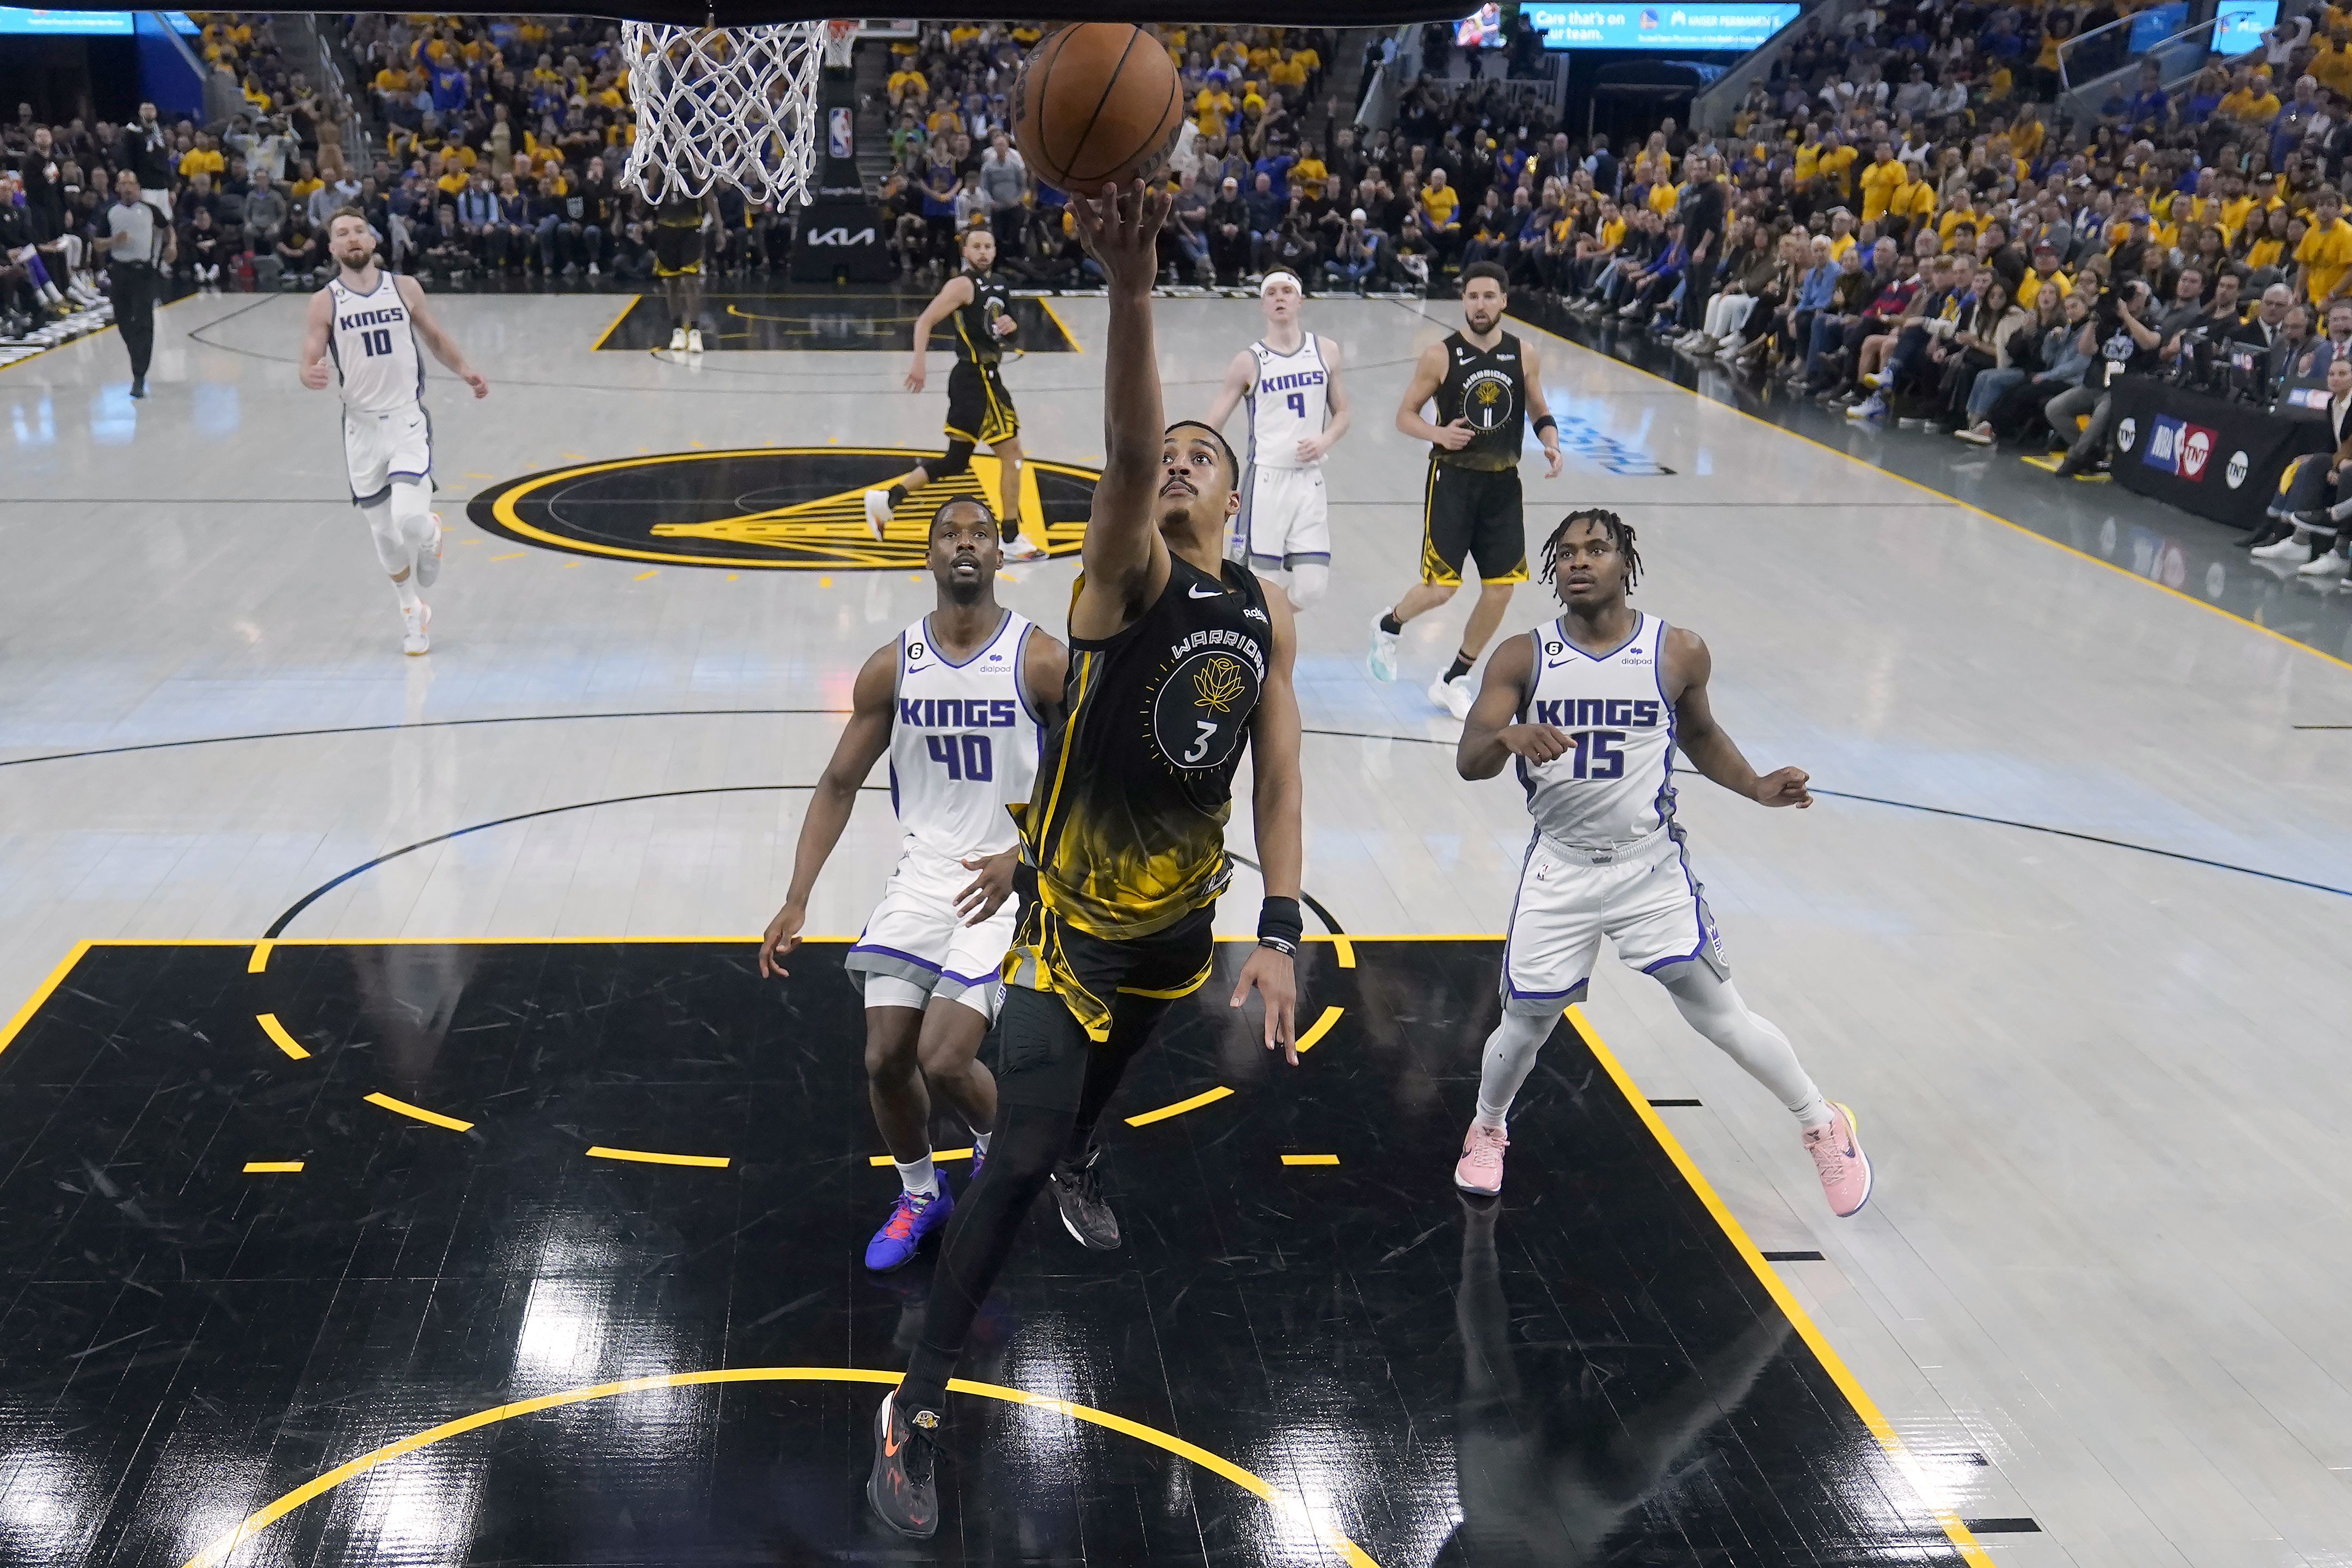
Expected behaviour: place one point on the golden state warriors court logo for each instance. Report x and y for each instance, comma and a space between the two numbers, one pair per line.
781, 508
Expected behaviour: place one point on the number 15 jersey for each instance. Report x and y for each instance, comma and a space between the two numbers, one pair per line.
963, 741
1615, 783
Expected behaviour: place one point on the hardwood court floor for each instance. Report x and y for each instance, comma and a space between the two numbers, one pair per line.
2068, 934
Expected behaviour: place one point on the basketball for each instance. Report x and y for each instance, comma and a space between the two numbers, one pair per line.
1095, 104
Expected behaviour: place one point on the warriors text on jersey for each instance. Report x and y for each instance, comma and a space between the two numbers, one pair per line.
963, 741
374, 345
1487, 387
1615, 783
1126, 829
976, 338
1285, 403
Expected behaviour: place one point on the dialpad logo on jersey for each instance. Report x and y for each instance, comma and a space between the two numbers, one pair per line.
779, 508
1488, 401
2179, 448
1204, 703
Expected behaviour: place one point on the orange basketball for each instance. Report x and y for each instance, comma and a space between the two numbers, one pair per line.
1097, 104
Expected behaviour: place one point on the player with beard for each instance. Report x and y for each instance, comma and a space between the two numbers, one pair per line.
956, 700
1592, 705
370, 320
1178, 659
1488, 386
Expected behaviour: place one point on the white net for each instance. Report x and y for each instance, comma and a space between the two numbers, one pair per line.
728, 106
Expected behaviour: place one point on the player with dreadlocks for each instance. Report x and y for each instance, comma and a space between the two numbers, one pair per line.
1592, 707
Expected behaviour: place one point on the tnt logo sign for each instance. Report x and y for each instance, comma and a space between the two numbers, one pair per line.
2180, 448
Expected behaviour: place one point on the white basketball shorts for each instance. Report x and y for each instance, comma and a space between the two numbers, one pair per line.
916, 948
379, 448
1645, 900
1286, 517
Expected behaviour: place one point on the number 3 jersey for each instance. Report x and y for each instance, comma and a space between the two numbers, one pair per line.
1127, 827
1614, 785
963, 742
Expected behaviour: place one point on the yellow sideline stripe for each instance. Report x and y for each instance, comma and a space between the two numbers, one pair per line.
1782, 1297
1948, 499
24, 1015
217, 1553
272, 1167
1310, 1159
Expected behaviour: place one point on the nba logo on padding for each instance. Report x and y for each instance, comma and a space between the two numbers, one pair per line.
2179, 448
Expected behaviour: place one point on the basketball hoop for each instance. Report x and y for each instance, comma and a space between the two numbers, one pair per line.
728, 106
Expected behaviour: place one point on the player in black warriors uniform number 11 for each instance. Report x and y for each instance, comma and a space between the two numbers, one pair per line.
1178, 658
980, 410
1488, 386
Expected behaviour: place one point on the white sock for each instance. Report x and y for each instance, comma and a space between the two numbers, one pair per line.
980, 1146
918, 1177
1509, 1057
405, 586
1713, 1005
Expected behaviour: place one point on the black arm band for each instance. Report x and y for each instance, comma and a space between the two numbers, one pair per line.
1545, 422
1279, 925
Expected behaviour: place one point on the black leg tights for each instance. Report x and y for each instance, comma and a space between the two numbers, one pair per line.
1052, 1087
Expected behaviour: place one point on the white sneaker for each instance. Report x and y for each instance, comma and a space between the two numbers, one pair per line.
2294, 551
591, 270
1382, 658
428, 561
1976, 434
677, 340
694, 339
2329, 565
413, 623
877, 512
1452, 695
1020, 547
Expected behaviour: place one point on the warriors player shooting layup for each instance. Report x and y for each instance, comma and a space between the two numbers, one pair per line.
1178, 660
1297, 412
956, 700
980, 410
1486, 384
369, 320
1592, 705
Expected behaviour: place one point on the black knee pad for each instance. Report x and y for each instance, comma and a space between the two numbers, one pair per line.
958, 459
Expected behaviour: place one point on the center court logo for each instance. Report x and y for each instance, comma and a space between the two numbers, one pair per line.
772, 507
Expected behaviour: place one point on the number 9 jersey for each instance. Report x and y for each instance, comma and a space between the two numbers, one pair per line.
963, 742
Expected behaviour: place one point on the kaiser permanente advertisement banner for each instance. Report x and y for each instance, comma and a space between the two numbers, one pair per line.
1717, 28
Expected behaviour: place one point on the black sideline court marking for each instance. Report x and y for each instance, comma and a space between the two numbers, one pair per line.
1588, 1361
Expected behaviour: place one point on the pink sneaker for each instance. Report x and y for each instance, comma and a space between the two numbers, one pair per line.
1480, 1169
1839, 1161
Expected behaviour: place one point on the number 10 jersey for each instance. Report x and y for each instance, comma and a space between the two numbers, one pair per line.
963, 741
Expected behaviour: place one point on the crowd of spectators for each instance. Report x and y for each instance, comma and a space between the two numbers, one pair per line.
232, 192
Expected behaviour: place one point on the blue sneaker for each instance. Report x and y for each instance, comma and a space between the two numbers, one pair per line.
1874, 407
911, 1220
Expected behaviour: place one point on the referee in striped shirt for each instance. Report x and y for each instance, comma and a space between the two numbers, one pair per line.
139, 245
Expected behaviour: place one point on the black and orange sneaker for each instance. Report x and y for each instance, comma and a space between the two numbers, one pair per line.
902, 1489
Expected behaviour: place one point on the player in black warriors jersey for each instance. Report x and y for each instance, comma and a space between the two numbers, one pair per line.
679, 220
1487, 385
980, 410
1178, 660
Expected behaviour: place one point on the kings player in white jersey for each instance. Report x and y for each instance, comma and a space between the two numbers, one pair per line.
956, 700
1591, 708
1297, 412
370, 322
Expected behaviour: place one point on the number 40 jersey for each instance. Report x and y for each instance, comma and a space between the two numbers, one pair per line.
963, 741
